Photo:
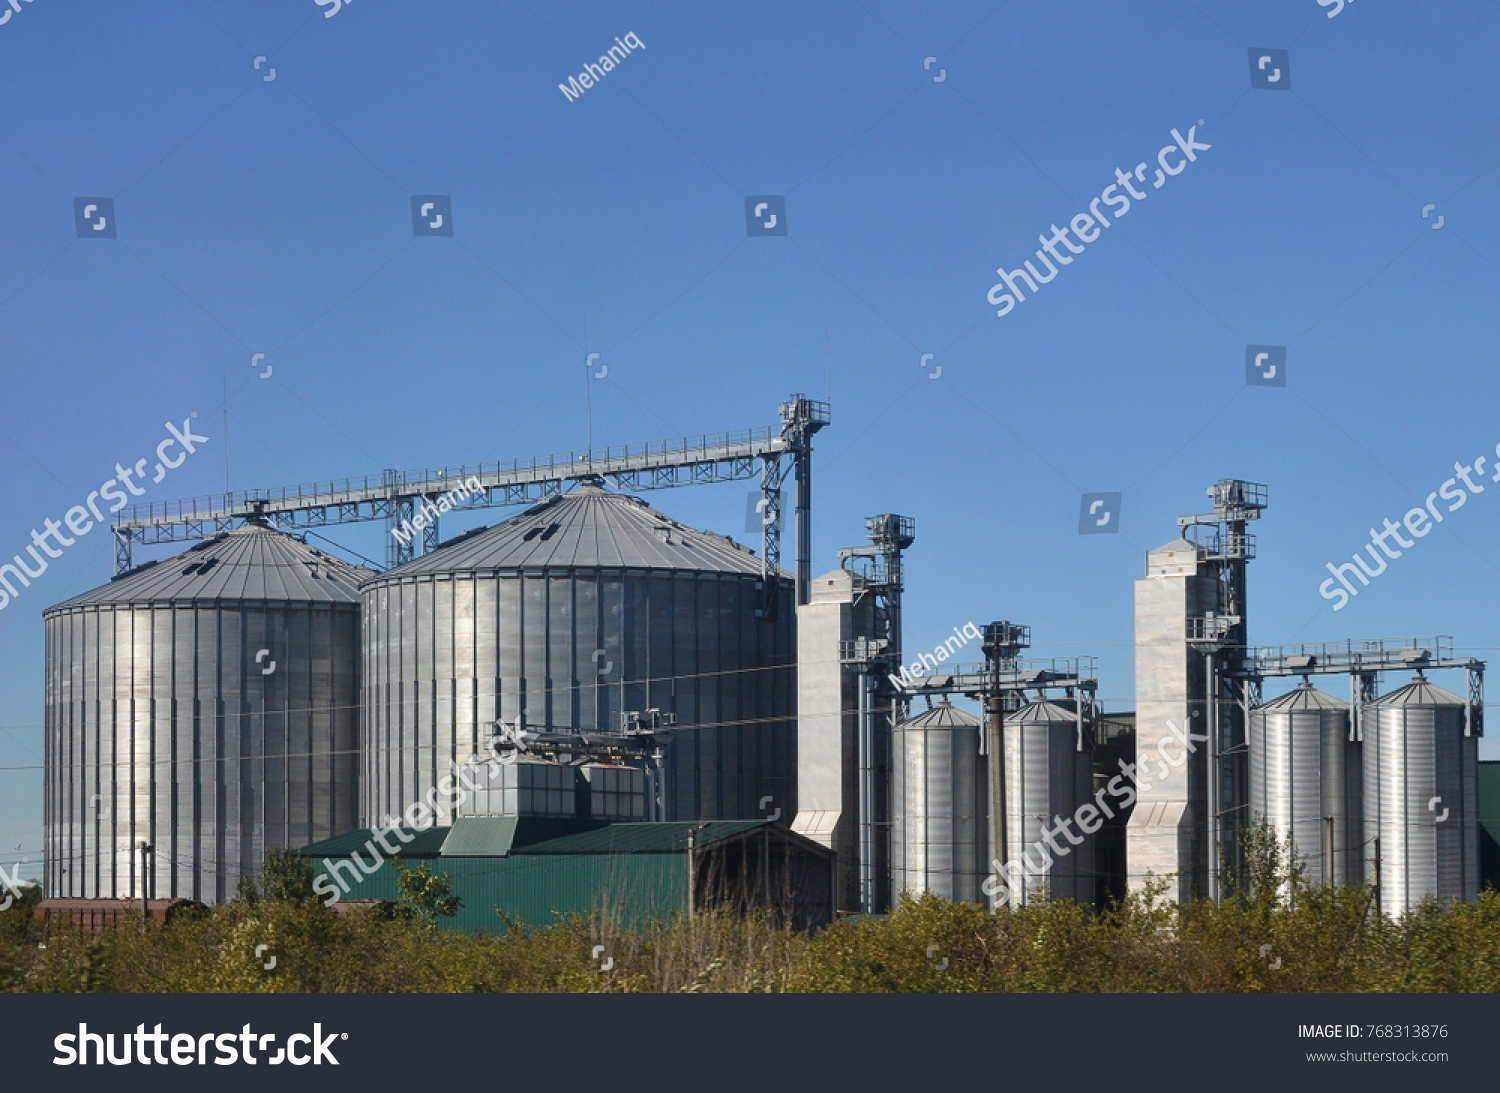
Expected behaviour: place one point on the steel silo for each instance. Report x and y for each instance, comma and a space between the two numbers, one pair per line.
207, 705
584, 606
1047, 779
938, 805
1421, 796
1304, 769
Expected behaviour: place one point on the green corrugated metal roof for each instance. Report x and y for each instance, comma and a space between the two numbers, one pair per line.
480, 837
642, 838
423, 844
501, 836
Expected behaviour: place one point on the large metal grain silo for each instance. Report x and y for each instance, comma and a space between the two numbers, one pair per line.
1047, 779
1304, 770
207, 705
1421, 797
938, 834
584, 606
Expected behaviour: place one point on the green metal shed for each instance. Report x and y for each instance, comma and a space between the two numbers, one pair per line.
1489, 823
534, 869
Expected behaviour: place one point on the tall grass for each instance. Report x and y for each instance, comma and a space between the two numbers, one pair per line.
1321, 940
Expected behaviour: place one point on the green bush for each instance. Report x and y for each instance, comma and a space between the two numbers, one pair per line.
1273, 934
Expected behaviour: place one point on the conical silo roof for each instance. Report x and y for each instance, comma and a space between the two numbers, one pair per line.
1303, 697
253, 562
587, 528
942, 716
1042, 710
1419, 693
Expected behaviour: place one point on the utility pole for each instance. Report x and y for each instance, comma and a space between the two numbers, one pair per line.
692, 869
145, 874
1003, 641
1378, 908
765, 866
997, 771
1328, 854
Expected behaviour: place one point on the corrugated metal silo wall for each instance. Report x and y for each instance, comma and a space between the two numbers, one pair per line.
162, 728
938, 812
446, 656
1419, 763
1046, 778
1303, 769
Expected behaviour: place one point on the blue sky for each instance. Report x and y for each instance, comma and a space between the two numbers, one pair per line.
273, 217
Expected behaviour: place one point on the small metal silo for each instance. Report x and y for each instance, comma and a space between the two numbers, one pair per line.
1047, 779
938, 805
1421, 797
1303, 770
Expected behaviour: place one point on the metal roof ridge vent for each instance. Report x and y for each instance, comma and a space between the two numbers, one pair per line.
133, 571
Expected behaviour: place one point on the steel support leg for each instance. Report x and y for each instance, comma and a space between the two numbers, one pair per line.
122, 551
397, 551
802, 469
1474, 714
770, 519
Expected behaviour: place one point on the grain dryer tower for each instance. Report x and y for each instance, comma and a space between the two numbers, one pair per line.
1190, 610
849, 650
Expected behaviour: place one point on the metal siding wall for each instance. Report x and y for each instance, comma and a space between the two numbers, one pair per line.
612, 640
211, 791
485, 666
743, 798
465, 640
727, 790
636, 626
161, 739
441, 684
1047, 777
185, 772
536, 695
211, 766
693, 765
561, 649
509, 639
122, 758
684, 688
678, 642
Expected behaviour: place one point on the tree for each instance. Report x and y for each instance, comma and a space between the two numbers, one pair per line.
245, 891
287, 875
422, 896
